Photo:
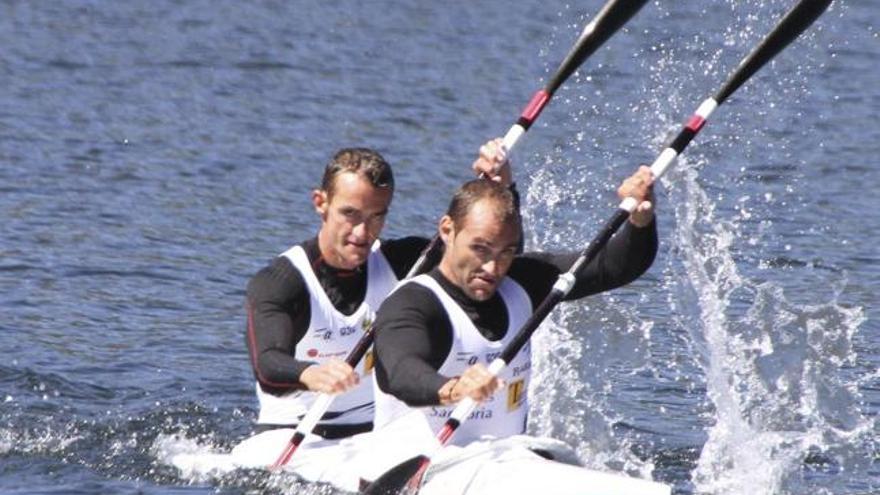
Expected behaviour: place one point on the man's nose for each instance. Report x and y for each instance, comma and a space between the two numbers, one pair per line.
491, 267
360, 230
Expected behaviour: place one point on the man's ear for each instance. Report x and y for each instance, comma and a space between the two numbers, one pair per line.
446, 229
321, 202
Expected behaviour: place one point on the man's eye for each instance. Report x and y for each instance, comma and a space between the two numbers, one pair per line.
480, 250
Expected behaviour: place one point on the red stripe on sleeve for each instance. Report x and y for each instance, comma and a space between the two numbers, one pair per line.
253, 354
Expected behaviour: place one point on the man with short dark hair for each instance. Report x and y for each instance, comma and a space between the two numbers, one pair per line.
436, 334
309, 307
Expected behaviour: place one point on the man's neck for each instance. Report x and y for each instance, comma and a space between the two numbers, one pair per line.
329, 256
448, 284
445, 270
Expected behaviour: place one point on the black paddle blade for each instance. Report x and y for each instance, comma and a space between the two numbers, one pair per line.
611, 18
396, 479
795, 22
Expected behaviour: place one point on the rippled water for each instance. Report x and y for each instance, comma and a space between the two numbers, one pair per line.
154, 156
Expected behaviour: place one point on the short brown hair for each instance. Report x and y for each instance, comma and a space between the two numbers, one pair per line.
471, 192
368, 163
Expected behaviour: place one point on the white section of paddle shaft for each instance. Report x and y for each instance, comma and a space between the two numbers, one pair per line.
319, 407
629, 204
467, 405
564, 283
663, 162
512, 136
706, 108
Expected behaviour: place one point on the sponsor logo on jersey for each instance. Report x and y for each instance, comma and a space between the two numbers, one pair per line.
515, 394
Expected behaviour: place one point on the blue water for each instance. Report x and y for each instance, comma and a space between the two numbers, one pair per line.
154, 156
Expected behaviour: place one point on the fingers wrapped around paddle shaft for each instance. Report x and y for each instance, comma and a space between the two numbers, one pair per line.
640, 187
493, 163
332, 377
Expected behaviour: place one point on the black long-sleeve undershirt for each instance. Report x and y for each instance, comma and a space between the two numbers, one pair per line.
279, 311
414, 334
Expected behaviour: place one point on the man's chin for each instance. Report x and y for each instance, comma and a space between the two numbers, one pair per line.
481, 293
355, 257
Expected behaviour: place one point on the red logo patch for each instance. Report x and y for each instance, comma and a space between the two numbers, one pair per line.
312, 352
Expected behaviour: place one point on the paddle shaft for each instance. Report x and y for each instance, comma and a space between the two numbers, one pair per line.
789, 28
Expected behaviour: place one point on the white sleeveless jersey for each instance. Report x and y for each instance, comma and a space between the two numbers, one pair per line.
332, 334
505, 413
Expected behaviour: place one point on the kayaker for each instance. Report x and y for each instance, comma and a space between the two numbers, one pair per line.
437, 333
309, 306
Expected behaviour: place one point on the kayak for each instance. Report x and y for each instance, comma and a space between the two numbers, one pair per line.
510, 465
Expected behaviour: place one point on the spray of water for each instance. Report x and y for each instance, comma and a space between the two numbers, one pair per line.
775, 371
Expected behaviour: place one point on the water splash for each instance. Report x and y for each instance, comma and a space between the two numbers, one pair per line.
775, 370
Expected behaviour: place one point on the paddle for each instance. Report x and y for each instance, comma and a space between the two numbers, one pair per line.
408, 474
612, 17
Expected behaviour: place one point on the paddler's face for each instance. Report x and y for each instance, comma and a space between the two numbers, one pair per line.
351, 219
479, 252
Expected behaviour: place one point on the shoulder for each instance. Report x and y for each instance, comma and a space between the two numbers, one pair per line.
410, 304
410, 295
278, 280
535, 273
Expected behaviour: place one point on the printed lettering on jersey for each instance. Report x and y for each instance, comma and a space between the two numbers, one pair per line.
446, 412
490, 356
327, 355
323, 334
515, 394
440, 412
347, 330
466, 357
523, 368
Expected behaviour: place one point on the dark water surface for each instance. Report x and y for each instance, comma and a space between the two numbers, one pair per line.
153, 156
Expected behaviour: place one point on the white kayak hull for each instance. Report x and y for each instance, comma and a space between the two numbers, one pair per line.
493, 466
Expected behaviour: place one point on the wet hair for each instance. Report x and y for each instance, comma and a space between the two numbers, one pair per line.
471, 192
365, 162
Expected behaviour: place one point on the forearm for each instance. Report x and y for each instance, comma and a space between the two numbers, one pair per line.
412, 381
279, 370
